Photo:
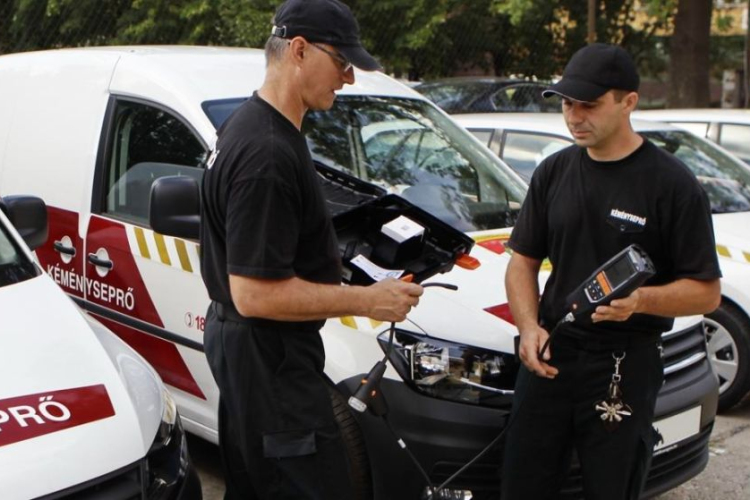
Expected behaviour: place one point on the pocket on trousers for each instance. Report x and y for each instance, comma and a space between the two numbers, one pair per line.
289, 444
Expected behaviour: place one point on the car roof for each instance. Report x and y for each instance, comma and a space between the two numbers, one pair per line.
236, 72
548, 123
688, 115
487, 80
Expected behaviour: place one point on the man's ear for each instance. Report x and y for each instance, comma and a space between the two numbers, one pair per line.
297, 47
631, 101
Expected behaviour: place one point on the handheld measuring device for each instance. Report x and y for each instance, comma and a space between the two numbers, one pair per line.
618, 277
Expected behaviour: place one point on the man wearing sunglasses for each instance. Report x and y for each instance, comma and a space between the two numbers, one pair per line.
270, 262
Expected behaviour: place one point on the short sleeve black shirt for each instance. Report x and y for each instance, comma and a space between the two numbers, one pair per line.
580, 212
264, 213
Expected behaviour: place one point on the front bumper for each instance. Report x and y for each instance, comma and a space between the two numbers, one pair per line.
132, 483
444, 435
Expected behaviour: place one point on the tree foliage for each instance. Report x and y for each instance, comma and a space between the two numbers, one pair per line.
414, 38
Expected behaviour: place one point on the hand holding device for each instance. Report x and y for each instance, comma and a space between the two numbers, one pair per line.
618, 277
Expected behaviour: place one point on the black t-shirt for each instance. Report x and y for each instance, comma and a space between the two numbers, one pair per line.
264, 213
580, 213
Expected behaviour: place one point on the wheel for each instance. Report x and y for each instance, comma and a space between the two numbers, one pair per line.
354, 443
728, 342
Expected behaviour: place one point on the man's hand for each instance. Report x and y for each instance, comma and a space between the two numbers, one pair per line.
618, 309
391, 299
532, 340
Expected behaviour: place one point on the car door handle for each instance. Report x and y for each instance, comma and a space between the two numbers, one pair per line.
59, 247
100, 262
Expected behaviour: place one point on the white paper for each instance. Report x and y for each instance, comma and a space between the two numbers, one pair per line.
373, 270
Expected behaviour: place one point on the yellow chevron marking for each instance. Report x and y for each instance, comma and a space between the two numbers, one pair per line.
162, 247
349, 321
746, 255
486, 237
142, 245
723, 251
183, 255
375, 323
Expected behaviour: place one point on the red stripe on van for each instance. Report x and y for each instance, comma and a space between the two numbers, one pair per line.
34, 415
161, 354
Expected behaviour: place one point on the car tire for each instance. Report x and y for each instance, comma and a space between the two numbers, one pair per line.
354, 444
728, 342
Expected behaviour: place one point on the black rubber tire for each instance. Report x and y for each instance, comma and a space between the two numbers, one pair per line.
360, 473
737, 326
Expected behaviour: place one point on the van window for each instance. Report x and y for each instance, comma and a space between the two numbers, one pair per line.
725, 179
409, 147
735, 139
14, 266
525, 151
147, 143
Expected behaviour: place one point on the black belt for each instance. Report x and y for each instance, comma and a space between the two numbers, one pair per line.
227, 312
608, 341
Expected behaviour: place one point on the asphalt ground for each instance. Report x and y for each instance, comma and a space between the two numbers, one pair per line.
727, 475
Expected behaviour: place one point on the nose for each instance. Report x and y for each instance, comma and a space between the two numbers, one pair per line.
574, 113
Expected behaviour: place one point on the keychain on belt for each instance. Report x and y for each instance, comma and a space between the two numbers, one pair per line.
613, 408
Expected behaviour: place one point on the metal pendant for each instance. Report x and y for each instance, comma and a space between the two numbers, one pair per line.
612, 408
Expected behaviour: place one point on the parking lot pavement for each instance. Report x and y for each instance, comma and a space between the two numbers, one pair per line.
727, 475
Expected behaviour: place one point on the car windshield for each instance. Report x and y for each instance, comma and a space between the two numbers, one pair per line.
725, 179
410, 148
14, 265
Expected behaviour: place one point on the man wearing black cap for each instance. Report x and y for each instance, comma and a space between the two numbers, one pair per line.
594, 391
270, 261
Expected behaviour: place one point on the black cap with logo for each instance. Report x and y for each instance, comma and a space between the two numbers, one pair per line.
594, 70
324, 21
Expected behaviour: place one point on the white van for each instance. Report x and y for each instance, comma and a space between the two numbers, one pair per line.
80, 411
90, 130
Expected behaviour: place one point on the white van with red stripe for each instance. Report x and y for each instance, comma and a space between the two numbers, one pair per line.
91, 130
80, 411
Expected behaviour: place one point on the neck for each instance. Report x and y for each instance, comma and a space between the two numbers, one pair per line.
618, 147
283, 96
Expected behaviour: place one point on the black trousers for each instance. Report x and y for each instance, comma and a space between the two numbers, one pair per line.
277, 434
556, 416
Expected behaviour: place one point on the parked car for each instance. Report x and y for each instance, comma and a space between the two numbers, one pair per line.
488, 95
524, 140
92, 130
81, 413
730, 128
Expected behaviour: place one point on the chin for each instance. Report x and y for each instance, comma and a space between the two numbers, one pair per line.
323, 105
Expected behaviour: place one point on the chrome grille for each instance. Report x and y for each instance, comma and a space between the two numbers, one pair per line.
685, 357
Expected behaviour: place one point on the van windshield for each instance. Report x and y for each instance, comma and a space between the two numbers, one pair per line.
14, 265
409, 147
725, 179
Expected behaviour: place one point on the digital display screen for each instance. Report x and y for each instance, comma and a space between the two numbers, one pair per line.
618, 273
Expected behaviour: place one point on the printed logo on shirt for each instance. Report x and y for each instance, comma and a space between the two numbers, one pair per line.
625, 221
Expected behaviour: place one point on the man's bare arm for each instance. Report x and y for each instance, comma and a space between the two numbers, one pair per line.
295, 299
522, 285
682, 297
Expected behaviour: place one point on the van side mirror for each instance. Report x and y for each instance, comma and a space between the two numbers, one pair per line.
175, 207
29, 216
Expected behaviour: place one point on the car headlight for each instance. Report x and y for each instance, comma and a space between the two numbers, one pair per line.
453, 371
167, 460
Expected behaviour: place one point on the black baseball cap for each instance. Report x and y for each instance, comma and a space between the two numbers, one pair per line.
595, 69
324, 21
